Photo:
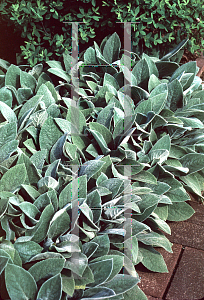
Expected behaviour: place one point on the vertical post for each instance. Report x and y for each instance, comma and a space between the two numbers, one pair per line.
74, 196
127, 57
128, 67
75, 207
74, 73
127, 215
75, 98
127, 64
74, 68
127, 169
75, 120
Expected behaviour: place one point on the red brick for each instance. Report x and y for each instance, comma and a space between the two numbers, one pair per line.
200, 64
155, 284
152, 298
187, 234
188, 281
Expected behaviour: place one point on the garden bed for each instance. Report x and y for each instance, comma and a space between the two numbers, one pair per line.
77, 155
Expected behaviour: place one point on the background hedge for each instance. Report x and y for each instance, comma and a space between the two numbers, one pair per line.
162, 24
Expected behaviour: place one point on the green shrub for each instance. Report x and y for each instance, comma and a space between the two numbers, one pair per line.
41, 24
162, 24
102, 157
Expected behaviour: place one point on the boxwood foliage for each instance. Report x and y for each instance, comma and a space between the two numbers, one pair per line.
70, 174
45, 25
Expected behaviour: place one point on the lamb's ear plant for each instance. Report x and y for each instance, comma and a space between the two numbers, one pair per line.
70, 174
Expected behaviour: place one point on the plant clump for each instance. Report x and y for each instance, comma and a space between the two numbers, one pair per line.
72, 169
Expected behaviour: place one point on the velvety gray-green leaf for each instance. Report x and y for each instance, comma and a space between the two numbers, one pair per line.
13, 76
104, 245
56, 151
193, 161
6, 96
77, 263
152, 259
46, 268
68, 285
32, 102
101, 270
33, 176
76, 117
27, 250
20, 283
49, 134
3, 263
112, 48
121, 283
156, 240
59, 225
77, 188
90, 168
40, 231
13, 178
8, 133
27, 80
47, 95
51, 289
180, 211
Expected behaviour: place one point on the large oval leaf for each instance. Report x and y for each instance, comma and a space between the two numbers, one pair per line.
117, 263
152, 259
75, 189
122, 283
51, 289
27, 250
47, 268
20, 283
7, 112
77, 263
101, 271
49, 134
193, 161
112, 48
13, 178
179, 211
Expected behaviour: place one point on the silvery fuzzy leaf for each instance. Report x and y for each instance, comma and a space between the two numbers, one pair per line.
111, 48
19, 279
47, 268
90, 168
77, 263
51, 288
13, 76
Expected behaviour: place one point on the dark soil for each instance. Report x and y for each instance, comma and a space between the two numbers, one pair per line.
9, 43
188, 56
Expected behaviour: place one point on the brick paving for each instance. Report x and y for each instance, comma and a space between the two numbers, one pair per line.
155, 284
152, 298
188, 282
185, 280
187, 234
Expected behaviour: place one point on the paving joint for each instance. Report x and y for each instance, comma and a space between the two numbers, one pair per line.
174, 272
